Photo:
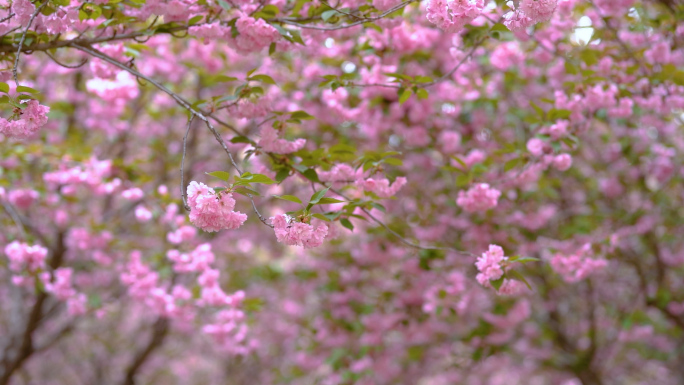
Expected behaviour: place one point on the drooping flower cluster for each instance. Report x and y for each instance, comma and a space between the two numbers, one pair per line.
529, 12
213, 211
30, 120
480, 197
577, 266
381, 187
270, 142
453, 15
489, 265
294, 233
254, 35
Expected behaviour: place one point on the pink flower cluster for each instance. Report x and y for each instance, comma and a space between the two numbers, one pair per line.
453, 15
489, 265
103, 69
578, 266
251, 108
61, 287
31, 119
255, 35
340, 173
212, 211
22, 256
529, 12
293, 233
271, 143
381, 187
23, 198
480, 197
198, 260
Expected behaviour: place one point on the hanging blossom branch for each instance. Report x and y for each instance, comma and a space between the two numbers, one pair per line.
183, 103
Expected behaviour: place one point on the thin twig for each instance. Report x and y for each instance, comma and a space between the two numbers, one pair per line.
182, 172
21, 43
367, 20
71, 66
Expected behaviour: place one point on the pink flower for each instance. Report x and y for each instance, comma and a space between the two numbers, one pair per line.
536, 146
31, 119
23, 199
562, 162
297, 233
22, 256
212, 211
489, 264
453, 15
199, 260
538, 10
271, 143
381, 187
142, 214
578, 266
254, 35
132, 194
23, 9
479, 198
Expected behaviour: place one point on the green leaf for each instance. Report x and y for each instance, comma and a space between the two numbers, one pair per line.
405, 95
224, 176
326, 201
246, 191
321, 217
346, 223
303, 115
520, 259
240, 139
327, 15
393, 161
224, 78
511, 164
256, 178
496, 284
317, 196
519, 277
27, 90
195, 20
4, 87
262, 78
422, 93
311, 175
290, 198
282, 175
271, 49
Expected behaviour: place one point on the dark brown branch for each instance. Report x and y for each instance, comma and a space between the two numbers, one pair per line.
160, 330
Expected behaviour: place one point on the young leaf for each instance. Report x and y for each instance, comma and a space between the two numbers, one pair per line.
405, 95
27, 90
519, 277
496, 284
316, 197
321, 217
263, 78
520, 259
325, 201
346, 223
303, 115
246, 191
290, 198
4, 87
256, 178
224, 176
